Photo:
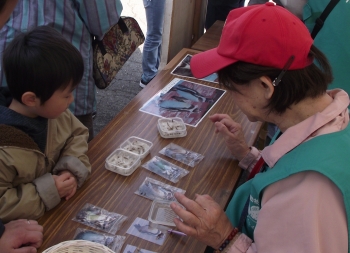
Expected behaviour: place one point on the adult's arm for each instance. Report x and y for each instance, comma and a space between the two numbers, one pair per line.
202, 219
302, 213
233, 135
99, 15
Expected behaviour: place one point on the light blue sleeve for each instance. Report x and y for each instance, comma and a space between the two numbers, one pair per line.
99, 15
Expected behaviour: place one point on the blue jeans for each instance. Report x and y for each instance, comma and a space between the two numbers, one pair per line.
152, 46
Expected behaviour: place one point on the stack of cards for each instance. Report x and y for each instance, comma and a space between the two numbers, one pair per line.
153, 189
165, 169
99, 218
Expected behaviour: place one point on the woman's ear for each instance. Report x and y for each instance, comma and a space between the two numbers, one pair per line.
30, 99
268, 86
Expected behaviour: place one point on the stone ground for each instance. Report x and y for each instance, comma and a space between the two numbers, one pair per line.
125, 86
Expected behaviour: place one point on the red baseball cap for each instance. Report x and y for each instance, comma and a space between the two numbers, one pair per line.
264, 34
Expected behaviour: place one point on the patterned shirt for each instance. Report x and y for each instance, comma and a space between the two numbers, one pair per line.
76, 20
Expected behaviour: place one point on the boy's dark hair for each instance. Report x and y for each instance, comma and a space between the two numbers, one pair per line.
295, 86
41, 61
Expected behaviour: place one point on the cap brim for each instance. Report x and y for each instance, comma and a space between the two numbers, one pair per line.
209, 62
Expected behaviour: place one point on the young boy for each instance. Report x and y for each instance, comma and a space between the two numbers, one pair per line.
42, 145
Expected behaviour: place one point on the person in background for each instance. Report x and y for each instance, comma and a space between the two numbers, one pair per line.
19, 236
42, 144
75, 20
219, 9
152, 46
332, 38
298, 195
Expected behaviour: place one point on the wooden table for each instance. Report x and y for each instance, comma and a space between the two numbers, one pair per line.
210, 38
216, 175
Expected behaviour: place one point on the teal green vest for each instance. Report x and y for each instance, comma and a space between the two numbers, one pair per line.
333, 38
327, 154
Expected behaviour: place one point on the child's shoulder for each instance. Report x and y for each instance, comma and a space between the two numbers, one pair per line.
12, 136
67, 118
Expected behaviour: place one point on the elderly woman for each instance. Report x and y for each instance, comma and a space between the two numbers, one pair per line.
300, 199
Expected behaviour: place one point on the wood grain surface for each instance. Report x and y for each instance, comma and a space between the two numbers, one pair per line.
215, 175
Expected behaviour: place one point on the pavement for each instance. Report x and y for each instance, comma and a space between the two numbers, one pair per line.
125, 85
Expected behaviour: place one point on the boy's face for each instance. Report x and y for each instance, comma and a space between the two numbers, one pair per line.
57, 103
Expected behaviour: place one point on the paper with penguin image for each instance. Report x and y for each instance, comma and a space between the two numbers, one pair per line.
187, 100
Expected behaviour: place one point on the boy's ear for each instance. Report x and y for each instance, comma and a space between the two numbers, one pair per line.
30, 99
268, 86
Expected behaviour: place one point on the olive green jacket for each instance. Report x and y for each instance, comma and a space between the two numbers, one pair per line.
27, 188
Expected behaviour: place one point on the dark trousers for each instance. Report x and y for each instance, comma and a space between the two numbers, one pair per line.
217, 11
88, 122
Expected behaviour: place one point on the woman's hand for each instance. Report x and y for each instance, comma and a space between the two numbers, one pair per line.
232, 133
203, 219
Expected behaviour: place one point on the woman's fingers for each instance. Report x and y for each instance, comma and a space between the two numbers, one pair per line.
187, 222
185, 215
218, 117
196, 210
191, 205
188, 230
222, 129
205, 201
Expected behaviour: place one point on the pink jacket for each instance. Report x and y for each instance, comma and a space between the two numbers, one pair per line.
297, 197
